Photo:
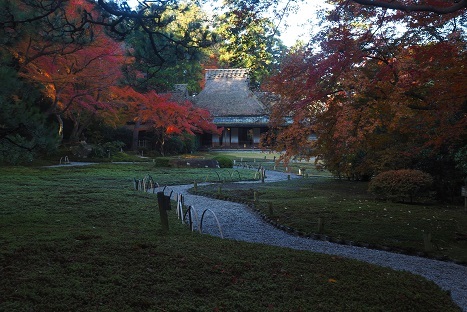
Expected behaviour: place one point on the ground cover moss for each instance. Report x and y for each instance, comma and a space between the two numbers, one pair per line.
81, 239
348, 212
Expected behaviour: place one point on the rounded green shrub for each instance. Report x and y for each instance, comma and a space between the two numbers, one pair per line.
224, 161
401, 184
161, 162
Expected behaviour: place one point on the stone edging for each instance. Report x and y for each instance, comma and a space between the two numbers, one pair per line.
323, 237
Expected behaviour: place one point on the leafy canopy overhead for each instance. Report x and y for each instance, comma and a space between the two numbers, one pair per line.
434, 6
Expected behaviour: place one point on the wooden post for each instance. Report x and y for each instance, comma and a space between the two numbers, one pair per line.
271, 211
427, 242
288, 177
464, 193
219, 190
195, 186
162, 203
320, 225
255, 196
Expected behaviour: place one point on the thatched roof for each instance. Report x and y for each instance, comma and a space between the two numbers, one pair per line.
226, 93
180, 93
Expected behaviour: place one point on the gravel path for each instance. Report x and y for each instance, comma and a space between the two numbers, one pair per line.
238, 222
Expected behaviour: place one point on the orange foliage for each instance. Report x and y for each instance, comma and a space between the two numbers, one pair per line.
75, 74
163, 113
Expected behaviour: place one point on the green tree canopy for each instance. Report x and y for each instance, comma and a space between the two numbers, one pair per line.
24, 130
177, 62
248, 39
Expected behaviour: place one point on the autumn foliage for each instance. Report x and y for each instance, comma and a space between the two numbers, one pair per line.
383, 91
163, 114
67, 49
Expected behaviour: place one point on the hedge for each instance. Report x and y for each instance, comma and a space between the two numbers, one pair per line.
401, 184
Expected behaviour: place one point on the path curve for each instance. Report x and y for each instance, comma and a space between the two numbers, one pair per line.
240, 223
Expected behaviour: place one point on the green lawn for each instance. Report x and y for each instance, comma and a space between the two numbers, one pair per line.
348, 212
81, 239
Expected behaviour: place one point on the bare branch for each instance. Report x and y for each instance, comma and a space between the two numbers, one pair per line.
397, 5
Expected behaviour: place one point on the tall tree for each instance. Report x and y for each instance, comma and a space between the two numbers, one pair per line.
166, 116
185, 22
438, 7
76, 82
24, 130
74, 61
248, 39
384, 91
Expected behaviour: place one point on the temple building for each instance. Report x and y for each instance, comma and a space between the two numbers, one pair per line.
234, 107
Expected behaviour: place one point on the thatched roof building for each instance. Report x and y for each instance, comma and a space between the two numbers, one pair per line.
234, 106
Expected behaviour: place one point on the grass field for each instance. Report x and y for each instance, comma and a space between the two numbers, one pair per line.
344, 211
81, 239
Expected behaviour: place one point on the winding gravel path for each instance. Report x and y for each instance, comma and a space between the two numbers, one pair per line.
238, 222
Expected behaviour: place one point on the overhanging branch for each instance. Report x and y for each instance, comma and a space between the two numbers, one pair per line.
397, 5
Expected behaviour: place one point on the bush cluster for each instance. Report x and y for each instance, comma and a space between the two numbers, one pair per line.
224, 161
401, 184
103, 150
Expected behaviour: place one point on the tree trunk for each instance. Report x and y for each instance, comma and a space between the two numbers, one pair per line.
60, 126
134, 142
74, 136
162, 146
78, 131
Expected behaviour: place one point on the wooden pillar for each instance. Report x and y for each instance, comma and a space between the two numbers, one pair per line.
226, 137
234, 136
256, 135
215, 140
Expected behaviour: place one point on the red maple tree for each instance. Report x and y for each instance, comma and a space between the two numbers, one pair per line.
75, 74
164, 115
377, 96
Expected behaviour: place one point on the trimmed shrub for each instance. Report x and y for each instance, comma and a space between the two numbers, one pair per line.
103, 150
401, 184
162, 162
224, 161
174, 146
194, 163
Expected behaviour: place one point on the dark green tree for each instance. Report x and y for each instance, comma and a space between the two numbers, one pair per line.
181, 61
249, 39
24, 128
